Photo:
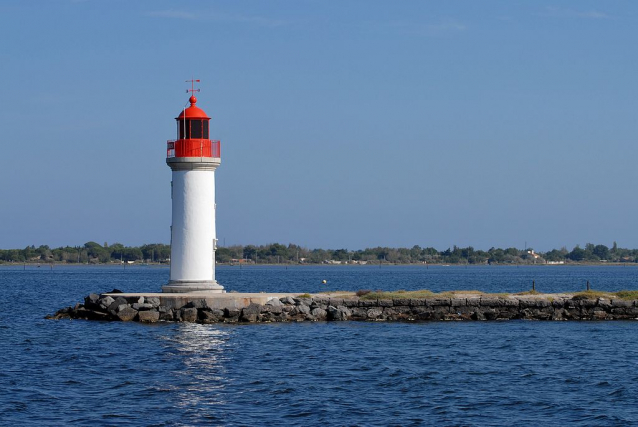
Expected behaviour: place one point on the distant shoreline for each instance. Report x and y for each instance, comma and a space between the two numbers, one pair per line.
249, 265
292, 254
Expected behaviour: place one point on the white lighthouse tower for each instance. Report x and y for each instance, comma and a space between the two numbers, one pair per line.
193, 158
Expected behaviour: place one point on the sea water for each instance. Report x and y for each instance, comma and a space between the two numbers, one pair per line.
73, 372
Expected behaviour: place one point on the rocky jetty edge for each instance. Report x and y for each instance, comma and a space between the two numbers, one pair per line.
322, 307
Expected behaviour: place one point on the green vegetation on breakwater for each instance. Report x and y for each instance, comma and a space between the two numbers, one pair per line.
423, 293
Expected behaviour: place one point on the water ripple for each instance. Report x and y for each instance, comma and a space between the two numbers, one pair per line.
57, 373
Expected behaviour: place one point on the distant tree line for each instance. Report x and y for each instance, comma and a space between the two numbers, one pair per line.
90, 252
276, 253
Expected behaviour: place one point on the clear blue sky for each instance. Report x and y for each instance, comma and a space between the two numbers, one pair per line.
344, 124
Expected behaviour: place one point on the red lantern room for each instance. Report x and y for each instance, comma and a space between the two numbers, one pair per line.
192, 135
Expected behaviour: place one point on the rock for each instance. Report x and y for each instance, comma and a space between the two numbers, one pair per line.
558, 314
213, 316
197, 303
287, 300
78, 312
424, 313
217, 312
127, 314
95, 315
359, 313
316, 305
478, 315
91, 299
321, 301
231, 313
571, 303
303, 309
91, 302
374, 313
399, 313
619, 312
116, 291
589, 303
189, 314
558, 303
388, 312
368, 303
621, 303
165, 314
335, 302
319, 313
58, 315
63, 313
492, 314
538, 303
154, 301
142, 306
250, 313
105, 302
287, 308
119, 301
148, 316
339, 313
273, 306
282, 318
490, 302
458, 302
515, 303
351, 302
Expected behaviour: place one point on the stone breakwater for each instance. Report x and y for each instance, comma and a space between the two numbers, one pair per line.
321, 308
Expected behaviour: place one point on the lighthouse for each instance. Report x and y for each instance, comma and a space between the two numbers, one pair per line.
193, 158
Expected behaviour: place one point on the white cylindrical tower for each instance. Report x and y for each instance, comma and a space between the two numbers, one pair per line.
193, 158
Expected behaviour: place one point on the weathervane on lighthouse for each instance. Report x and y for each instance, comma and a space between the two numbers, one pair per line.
193, 158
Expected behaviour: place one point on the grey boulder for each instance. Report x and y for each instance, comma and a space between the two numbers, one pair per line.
189, 314
319, 313
127, 314
148, 316
338, 313
287, 300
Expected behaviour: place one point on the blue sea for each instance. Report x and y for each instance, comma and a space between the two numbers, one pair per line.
72, 372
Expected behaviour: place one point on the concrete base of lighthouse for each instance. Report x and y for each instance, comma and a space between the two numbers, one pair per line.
178, 287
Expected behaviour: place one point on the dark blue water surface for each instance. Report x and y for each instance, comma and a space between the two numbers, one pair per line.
73, 372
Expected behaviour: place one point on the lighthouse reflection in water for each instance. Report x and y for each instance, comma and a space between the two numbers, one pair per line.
202, 351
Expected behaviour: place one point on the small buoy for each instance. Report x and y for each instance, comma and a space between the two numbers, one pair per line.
324, 281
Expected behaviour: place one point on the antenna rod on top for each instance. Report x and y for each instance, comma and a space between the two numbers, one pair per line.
192, 90
192, 82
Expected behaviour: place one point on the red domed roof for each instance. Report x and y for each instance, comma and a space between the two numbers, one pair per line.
193, 112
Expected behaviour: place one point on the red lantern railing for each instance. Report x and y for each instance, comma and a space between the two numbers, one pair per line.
193, 148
